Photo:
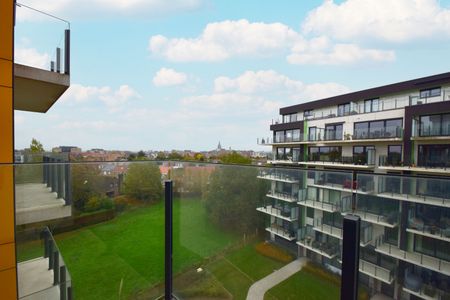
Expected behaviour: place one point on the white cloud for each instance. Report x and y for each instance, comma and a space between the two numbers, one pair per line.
32, 57
393, 21
90, 125
113, 99
83, 9
168, 77
221, 40
321, 51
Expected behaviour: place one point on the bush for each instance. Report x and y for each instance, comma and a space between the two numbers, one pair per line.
121, 203
96, 203
320, 272
272, 251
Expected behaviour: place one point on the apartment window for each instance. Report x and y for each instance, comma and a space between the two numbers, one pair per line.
391, 235
432, 247
296, 154
394, 155
289, 118
361, 153
344, 109
331, 154
378, 129
434, 125
279, 136
308, 113
433, 92
310, 212
371, 105
312, 133
434, 156
333, 132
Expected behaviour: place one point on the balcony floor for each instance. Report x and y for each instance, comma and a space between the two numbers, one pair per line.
36, 281
35, 203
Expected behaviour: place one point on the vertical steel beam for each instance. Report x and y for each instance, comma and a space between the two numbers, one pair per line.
168, 237
350, 257
67, 51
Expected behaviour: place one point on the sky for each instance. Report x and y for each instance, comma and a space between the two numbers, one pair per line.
186, 74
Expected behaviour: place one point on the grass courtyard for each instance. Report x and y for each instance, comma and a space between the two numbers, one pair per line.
124, 259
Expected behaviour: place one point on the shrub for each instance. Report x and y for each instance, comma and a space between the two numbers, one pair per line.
322, 273
272, 251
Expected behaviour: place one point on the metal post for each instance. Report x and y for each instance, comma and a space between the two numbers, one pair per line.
52, 66
168, 244
67, 51
67, 185
49, 172
55, 268
53, 171
62, 286
58, 60
50, 255
69, 293
44, 169
350, 257
47, 242
59, 168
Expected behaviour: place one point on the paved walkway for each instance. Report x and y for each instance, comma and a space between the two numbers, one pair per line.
259, 288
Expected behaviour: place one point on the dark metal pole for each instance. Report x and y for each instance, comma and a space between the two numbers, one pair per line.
60, 179
67, 185
168, 244
55, 268
350, 257
62, 286
67, 51
58, 60
49, 172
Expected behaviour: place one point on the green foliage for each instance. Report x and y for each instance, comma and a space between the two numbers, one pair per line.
235, 158
161, 156
191, 180
232, 197
86, 183
97, 202
199, 157
174, 156
143, 182
36, 146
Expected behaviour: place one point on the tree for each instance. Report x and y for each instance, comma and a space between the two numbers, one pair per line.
143, 182
36, 146
141, 155
161, 156
235, 158
174, 156
233, 195
85, 184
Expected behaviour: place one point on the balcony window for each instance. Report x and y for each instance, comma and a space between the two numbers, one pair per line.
391, 235
378, 129
371, 105
310, 212
328, 154
279, 136
432, 247
434, 125
434, 156
333, 132
361, 153
308, 113
344, 109
332, 219
312, 133
394, 155
433, 92
296, 154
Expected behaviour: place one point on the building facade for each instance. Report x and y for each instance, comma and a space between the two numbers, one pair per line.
383, 154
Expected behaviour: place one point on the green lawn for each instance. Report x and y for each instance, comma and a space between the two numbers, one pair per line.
129, 250
305, 286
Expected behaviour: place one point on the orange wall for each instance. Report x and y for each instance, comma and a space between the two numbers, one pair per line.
8, 277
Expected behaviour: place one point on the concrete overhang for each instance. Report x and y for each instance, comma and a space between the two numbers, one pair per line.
36, 89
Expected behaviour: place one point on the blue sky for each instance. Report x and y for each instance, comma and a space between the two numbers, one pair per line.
184, 74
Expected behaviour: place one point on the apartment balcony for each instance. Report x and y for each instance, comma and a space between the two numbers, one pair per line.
390, 220
425, 261
329, 229
376, 271
347, 186
348, 162
342, 205
431, 191
45, 276
287, 197
415, 285
434, 132
438, 230
37, 89
279, 212
328, 249
384, 134
281, 232
390, 163
278, 176
47, 196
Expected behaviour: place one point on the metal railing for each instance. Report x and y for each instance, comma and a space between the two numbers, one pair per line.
57, 176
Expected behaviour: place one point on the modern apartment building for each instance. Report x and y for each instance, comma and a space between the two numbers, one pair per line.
383, 154
31, 89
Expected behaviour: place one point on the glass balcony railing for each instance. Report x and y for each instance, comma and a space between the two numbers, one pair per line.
48, 42
379, 133
434, 191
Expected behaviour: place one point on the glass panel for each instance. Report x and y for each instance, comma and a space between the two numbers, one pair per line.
368, 106
430, 125
375, 104
361, 130
376, 129
445, 124
312, 133
393, 128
